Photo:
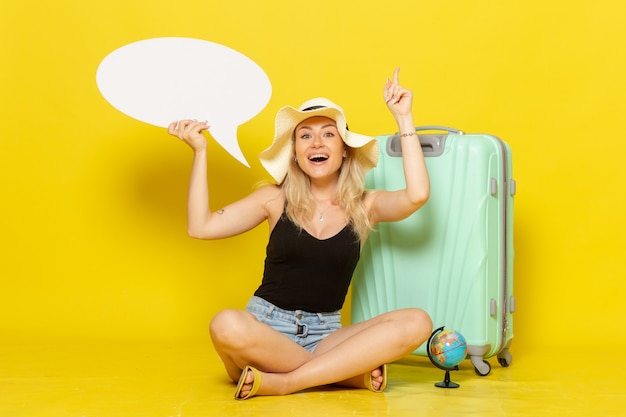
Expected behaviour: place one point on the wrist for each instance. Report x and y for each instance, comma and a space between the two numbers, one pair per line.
200, 152
405, 122
406, 129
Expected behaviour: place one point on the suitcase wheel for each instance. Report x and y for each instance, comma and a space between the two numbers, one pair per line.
505, 358
481, 366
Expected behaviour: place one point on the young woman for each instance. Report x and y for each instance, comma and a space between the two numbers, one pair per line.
290, 338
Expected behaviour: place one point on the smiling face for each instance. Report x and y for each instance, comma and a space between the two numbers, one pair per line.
319, 147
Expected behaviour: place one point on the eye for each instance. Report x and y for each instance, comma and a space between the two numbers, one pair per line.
329, 134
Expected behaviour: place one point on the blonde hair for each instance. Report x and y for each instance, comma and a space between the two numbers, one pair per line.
350, 192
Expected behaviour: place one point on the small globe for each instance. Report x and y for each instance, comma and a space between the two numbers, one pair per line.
447, 349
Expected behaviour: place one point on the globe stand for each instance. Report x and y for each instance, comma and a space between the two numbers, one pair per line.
446, 383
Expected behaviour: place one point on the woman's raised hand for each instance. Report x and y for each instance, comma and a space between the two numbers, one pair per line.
190, 132
399, 100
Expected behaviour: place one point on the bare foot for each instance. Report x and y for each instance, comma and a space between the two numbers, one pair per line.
374, 380
377, 378
247, 385
255, 382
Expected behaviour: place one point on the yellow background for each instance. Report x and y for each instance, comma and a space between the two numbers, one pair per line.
92, 209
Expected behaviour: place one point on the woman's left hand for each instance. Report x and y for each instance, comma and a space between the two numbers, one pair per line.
399, 100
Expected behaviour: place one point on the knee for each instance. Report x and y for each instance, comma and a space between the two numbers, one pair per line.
419, 326
229, 327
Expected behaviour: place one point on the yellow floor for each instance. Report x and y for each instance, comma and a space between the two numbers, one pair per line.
176, 379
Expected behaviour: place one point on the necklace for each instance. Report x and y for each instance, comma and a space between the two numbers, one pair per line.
321, 218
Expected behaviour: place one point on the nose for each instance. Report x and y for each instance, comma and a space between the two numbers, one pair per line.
317, 141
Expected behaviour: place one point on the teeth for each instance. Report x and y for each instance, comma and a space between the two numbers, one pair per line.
318, 157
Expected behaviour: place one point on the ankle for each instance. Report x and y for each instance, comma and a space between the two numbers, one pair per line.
274, 384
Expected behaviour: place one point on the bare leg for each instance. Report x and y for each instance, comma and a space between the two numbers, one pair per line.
240, 340
350, 352
376, 377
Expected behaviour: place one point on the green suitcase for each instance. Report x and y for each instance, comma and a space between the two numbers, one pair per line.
454, 256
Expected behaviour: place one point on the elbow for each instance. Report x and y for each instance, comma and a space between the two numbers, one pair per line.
193, 234
420, 197
204, 233
196, 233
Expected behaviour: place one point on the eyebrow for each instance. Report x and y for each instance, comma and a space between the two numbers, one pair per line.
323, 127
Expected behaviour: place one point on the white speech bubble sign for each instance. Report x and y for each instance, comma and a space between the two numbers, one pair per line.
162, 80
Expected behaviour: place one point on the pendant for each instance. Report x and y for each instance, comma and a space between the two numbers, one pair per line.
321, 218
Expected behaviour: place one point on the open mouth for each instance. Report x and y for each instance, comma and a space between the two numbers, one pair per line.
318, 158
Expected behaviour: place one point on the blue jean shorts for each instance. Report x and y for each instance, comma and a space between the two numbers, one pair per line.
304, 328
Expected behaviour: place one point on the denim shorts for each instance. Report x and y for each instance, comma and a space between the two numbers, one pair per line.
304, 328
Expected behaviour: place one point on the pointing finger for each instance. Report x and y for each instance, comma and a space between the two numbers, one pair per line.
396, 72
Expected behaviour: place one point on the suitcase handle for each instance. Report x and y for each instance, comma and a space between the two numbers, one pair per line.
432, 144
436, 127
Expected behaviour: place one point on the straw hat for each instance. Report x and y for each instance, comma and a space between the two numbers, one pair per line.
280, 154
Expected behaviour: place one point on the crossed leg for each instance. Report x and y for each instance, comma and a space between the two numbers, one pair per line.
343, 357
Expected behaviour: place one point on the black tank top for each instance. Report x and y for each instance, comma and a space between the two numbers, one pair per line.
306, 273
